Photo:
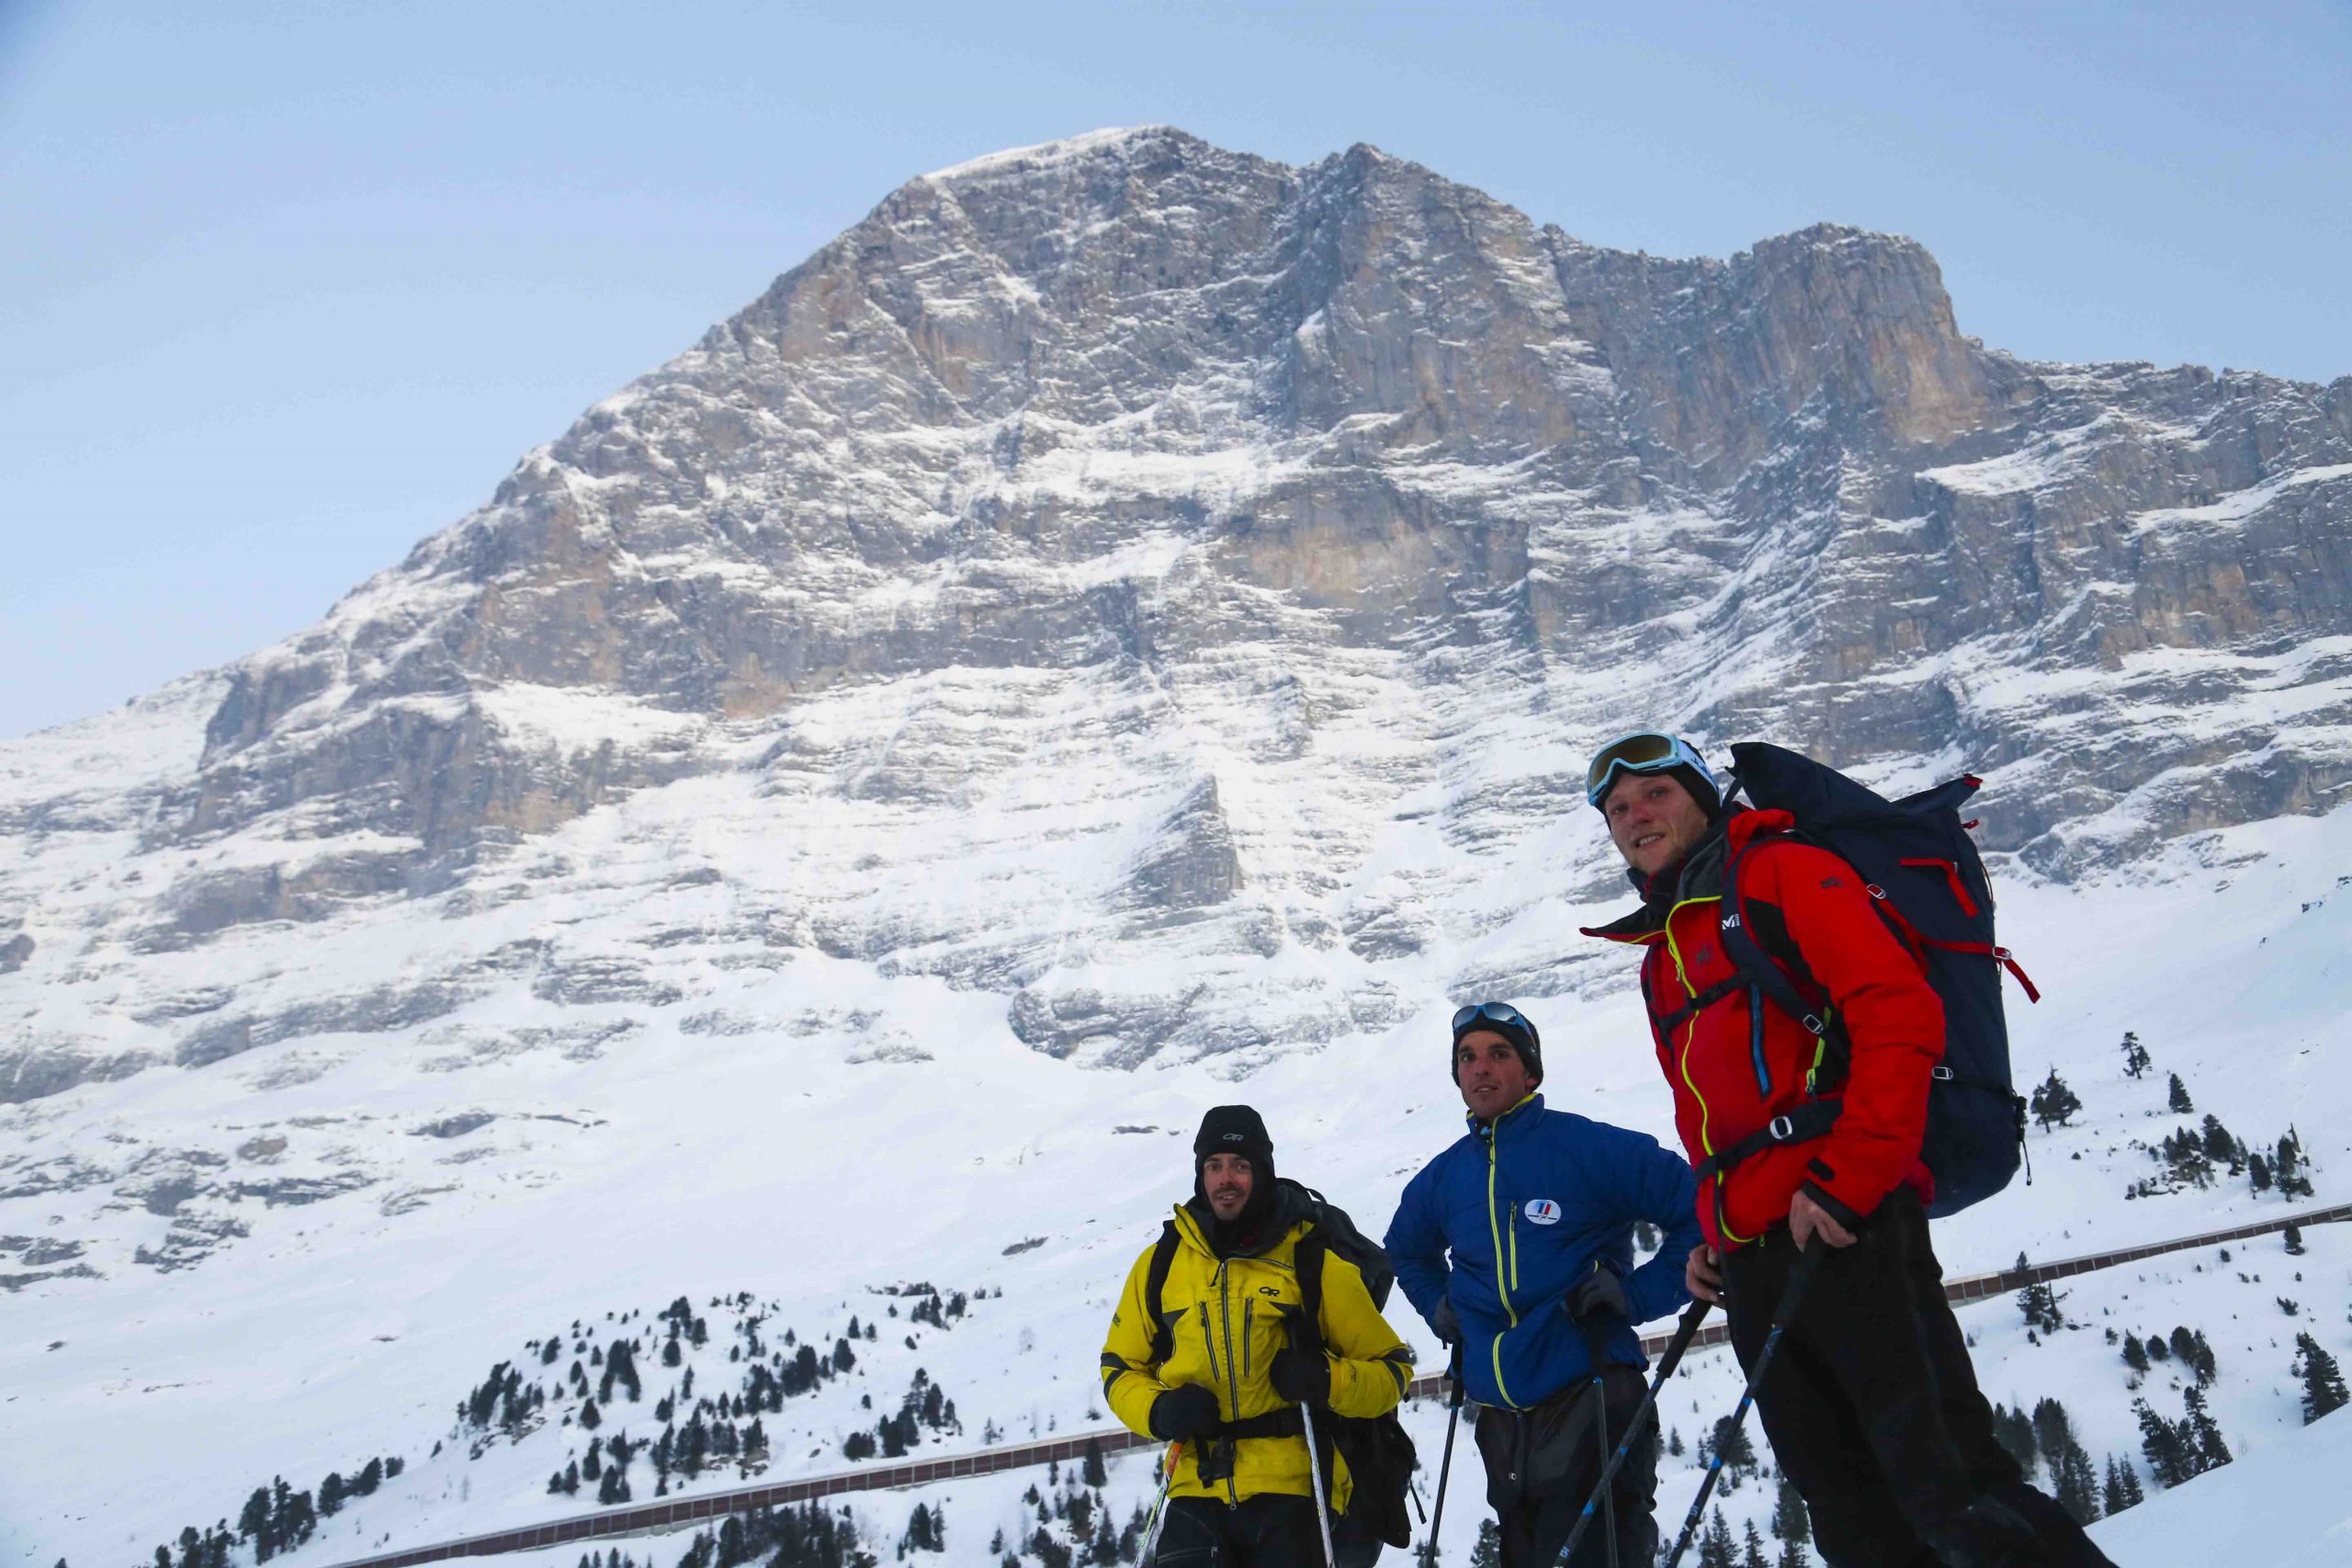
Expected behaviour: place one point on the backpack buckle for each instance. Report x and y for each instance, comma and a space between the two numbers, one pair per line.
1875, 891
1940, 1073
1813, 1024
1782, 1129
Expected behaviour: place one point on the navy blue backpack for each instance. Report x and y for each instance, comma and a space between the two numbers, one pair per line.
1927, 883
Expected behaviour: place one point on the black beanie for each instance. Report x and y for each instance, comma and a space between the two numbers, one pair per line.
1519, 1028
1236, 1130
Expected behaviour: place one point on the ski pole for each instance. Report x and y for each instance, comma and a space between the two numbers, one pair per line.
1672, 1358
1315, 1473
1782, 1316
1160, 1506
1445, 1468
1595, 1340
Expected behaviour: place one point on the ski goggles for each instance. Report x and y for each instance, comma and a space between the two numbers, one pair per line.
1492, 1012
1642, 753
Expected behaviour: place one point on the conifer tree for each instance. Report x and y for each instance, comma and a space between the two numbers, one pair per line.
2324, 1387
2160, 1443
2212, 1451
2177, 1097
2294, 1237
2013, 1430
1716, 1548
2135, 1355
1791, 1526
2136, 1056
2257, 1168
1732, 1442
2053, 1102
1093, 1473
2122, 1488
1488, 1552
590, 1416
1751, 1554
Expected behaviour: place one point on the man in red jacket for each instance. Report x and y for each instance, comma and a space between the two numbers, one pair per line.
1871, 1405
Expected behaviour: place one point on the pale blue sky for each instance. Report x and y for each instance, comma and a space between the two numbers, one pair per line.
290, 285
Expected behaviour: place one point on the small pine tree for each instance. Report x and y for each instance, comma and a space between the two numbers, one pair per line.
2160, 1444
1091, 1470
2122, 1490
1488, 1552
2053, 1102
2136, 1056
1732, 1443
2038, 1303
1752, 1551
2135, 1355
2294, 1239
1716, 1548
1791, 1526
590, 1416
2324, 1387
2177, 1097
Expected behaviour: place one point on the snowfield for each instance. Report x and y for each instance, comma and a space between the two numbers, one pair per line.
812, 1164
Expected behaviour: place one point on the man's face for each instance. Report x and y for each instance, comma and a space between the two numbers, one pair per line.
1226, 1179
1493, 1077
1653, 819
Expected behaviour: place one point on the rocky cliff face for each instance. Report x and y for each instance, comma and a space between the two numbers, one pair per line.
1176, 592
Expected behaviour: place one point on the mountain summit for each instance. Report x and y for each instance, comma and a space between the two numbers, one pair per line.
1174, 592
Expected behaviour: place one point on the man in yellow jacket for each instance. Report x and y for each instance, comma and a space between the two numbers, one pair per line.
1207, 1360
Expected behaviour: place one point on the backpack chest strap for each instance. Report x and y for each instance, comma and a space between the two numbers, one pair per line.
1813, 1119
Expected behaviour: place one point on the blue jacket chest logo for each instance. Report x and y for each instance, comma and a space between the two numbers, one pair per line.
1541, 1212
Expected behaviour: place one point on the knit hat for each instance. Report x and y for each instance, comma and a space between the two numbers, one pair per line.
1236, 1130
1499, 1018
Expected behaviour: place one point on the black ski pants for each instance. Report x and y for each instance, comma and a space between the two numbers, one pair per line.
1543, 1462
1270, 1530
1873, 1409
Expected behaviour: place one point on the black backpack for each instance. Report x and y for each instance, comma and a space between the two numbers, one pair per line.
1927, 883
1381, 1458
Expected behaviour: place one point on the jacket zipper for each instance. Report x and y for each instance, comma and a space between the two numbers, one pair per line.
1232, 1376
1502, 1289
1247, 1306
1689, 1038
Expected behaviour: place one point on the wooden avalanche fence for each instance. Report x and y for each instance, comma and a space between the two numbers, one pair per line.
661, 1517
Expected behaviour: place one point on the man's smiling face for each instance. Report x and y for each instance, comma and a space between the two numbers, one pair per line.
1226, 1179
1492, 1075
1653, 819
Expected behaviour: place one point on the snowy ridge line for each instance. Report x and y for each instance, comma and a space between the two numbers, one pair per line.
658, 1517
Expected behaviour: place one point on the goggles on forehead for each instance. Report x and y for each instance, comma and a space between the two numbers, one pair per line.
1493, 1012
1642, 753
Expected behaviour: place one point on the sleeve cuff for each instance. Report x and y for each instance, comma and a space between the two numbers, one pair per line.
1839, 1210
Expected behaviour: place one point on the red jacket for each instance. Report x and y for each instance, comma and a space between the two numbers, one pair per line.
1741, 1060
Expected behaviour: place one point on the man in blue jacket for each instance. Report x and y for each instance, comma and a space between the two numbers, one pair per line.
1516, 1245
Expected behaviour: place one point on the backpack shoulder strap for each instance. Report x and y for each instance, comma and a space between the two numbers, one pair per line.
1309, 1258
1758, 968
1155, 1281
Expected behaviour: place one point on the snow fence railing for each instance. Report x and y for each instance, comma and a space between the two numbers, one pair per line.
654, 1518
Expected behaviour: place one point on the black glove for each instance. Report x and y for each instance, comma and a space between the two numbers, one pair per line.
1600, 1292
1302, 1377
1444, 1324
1184, 1413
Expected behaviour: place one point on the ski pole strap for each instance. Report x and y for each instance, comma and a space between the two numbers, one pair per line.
1810, 1120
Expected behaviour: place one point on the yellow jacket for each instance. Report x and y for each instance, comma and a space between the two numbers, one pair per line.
1226, 1321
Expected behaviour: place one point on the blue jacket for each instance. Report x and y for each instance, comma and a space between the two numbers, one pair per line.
1545, 1192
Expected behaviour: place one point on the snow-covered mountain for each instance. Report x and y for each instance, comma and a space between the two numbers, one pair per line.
1116, 630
